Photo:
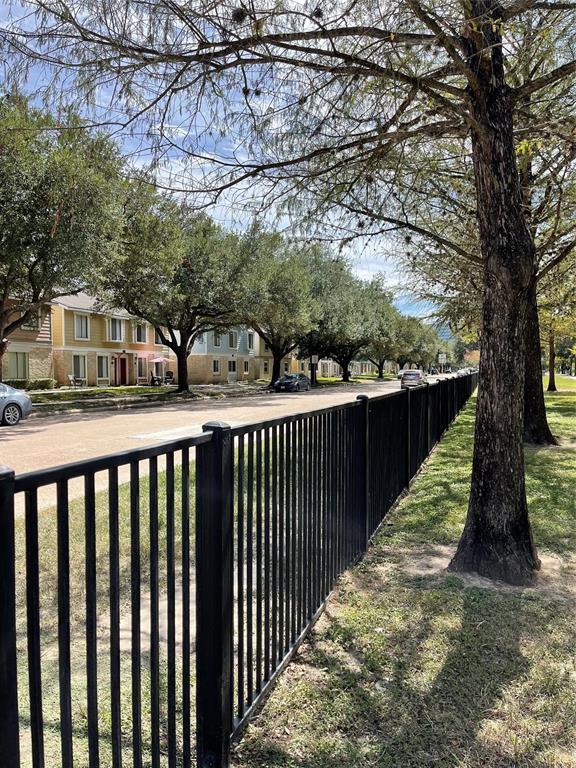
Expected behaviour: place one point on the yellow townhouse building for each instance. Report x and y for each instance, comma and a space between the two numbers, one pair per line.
104, 348
29, 354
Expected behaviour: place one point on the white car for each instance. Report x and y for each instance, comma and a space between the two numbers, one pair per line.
412, 378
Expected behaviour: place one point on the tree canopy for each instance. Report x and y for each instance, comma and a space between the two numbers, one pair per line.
60, 211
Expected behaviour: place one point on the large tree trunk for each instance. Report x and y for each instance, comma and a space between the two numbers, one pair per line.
381, 369
497, 540
552, 362
182, 359
536, 429
345, 365
3, 348
276, 364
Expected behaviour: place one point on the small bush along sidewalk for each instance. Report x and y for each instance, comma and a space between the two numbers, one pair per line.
412, 667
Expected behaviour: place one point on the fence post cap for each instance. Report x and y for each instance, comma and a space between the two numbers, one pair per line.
362, 397
6, 473
214, 426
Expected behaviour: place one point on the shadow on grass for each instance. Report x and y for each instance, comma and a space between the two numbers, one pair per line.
382, 711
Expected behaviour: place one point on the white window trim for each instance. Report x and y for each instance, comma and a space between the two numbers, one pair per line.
219, 337
134, 329
146, 373
27, 364
157, 340
87, 316
250, 340
246, 366
103, 378
234, 335
215, 367
80, 354
232, 363
118, 320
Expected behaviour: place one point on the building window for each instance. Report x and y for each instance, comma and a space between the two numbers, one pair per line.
81, 327
265, 366
157, 337
302, 367
217, 341
116, 329
233, 339
79, 366
141, 371
17, 365
103, 366
250, 340
231, 366
216, 366
200, 338
158, 370
246, 366
286, 367
140, 333
33, 322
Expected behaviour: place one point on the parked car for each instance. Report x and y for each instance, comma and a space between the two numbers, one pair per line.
14, 405
412, 378
292, 382
462, 372
434, 371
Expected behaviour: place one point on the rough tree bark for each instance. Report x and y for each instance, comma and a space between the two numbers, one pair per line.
344, 363
380, 367
3, 348
182, 367
276, 363
536, 429
552, 361
497, 540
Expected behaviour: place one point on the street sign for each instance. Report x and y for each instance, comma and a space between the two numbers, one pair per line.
314, 359
442, 357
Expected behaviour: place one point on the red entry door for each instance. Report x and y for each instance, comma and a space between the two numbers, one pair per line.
122, 377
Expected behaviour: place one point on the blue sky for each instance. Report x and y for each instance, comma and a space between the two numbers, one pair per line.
367, 258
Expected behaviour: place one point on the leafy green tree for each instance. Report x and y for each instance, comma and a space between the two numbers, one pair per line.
60, 211
383, 341
321, 95
178, 270
276, 291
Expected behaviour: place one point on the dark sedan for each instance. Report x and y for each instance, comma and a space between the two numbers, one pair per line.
292, 382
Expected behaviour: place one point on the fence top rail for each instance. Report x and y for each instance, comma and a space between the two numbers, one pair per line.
39, 478
244, 429
30, 481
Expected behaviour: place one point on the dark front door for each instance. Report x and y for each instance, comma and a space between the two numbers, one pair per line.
122, 378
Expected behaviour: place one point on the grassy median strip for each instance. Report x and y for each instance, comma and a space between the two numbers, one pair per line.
412, 667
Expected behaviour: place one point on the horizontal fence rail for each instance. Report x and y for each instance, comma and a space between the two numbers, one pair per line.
145, 616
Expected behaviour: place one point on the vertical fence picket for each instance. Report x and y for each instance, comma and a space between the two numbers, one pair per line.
9, 736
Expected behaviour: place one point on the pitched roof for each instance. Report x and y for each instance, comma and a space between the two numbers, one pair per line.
83, 302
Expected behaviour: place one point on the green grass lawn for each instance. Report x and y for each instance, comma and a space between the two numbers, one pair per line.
562, 382
410, 667
49, 616
92, 393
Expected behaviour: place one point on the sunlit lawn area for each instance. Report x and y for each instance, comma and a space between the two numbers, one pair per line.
410, 667
562, 382
91, 393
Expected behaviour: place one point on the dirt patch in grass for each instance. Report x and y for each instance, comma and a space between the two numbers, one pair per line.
556, 580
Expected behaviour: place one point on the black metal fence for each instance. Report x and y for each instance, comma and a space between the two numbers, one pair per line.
145, 615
